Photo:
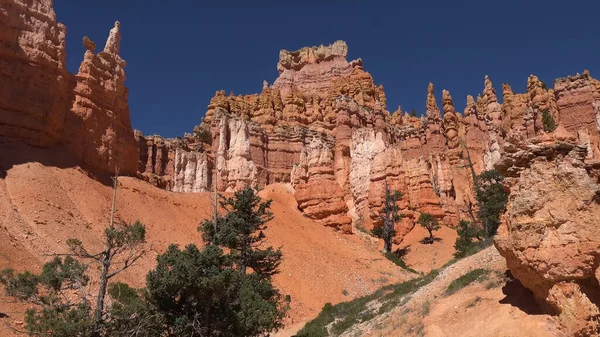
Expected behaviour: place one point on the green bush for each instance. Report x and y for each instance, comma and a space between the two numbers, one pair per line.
342, 316
548, 122
398, 261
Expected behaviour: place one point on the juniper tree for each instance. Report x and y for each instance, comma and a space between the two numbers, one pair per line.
430, 223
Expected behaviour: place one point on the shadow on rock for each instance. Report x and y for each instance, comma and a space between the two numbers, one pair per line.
520, 297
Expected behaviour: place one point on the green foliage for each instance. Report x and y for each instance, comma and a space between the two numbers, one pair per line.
398, 261
544, 86
342, 316
468, 241
466, 279
59, 320
57, 314
377, 232
133, 314
254, 306
413, 113
241, 231
203, 134
491, 200
548, 122
430, 223
127, 235
195, 290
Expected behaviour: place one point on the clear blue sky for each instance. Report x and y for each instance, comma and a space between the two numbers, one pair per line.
180, 52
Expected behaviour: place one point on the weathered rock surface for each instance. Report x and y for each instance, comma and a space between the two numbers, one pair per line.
99, 120
34, 97
550, 236
324, 127
44, 105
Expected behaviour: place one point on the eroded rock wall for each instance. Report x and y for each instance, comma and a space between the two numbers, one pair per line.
323, 106
550, 233
44, 105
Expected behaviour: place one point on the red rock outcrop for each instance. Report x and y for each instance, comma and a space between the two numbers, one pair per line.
550, 236
319, 95
578, 104
34, 97
99, 120
44, 105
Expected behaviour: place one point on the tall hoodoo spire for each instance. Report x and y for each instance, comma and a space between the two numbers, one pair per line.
113, 42
431, 107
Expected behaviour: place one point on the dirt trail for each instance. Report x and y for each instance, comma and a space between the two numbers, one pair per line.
484, 308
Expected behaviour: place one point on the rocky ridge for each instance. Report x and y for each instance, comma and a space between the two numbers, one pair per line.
323, 126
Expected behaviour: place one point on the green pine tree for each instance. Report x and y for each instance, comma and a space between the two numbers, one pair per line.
430, 223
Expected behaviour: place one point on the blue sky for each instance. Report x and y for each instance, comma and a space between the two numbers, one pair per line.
179, 53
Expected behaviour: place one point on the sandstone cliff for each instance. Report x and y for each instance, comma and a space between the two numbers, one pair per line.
323, 126
550, 236
44, 105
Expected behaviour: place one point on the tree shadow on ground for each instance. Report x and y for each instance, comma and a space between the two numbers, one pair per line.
520, 297
429, 241
402, 252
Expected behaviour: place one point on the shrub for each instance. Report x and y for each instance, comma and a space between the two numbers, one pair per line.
548, 122
430, 223
203, 134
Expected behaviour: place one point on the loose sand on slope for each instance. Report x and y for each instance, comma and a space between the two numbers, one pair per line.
45, 199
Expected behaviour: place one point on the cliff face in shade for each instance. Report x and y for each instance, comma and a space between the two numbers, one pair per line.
44, 105
34, 97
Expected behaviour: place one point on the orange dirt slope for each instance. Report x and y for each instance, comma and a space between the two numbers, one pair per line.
44, 200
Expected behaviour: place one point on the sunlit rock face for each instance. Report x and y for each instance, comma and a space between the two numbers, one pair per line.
324, 127
550, 233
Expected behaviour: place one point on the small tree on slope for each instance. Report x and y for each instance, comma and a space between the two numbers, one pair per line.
430, 223
390, 216
64, 315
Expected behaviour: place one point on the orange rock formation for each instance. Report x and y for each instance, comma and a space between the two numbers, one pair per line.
322, 126
44, 105
550, 237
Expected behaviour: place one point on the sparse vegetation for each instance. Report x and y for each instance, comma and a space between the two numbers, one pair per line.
466, 279
413, 113
392, 256
336, 319
430, 223
476, 300
62, 313
203, 134
548, 121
